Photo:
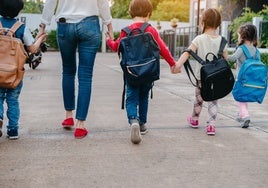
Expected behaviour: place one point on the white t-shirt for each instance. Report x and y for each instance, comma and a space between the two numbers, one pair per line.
206, 43
76, 10
28, 39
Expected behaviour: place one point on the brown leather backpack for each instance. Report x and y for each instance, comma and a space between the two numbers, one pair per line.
12, 57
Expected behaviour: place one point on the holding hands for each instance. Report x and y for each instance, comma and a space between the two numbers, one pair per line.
176, 68
109, 34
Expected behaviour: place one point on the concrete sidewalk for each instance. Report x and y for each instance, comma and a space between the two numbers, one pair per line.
171, 154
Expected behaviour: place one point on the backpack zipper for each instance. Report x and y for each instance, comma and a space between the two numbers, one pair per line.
130, 66
253, 86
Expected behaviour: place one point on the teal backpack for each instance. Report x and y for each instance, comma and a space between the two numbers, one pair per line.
251, 81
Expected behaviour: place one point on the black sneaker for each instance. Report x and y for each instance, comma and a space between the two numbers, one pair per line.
143, 129
135, 135
1, 124
12, 134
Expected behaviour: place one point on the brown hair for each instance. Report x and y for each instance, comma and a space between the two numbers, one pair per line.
211, 18
140, 8
248, 32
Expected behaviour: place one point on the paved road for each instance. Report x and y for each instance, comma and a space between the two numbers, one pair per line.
170, 155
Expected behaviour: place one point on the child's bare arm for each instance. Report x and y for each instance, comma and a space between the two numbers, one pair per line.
183, 59
225, 54
36, 45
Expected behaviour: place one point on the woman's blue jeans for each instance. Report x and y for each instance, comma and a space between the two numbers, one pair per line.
137, 102
83, 37
11, 96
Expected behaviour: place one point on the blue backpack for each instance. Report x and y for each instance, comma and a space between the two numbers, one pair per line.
251, 81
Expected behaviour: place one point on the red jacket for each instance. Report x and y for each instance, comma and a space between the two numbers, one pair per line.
164, 51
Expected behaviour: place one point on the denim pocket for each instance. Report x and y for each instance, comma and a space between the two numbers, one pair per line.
89, 29
61, 30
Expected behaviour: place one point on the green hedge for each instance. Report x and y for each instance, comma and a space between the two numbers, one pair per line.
264, 58
52, 40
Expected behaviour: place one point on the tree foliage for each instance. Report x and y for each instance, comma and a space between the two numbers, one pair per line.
119, 9
162, 9
228, 8
168, 9
247, 17
264, 34
34, 7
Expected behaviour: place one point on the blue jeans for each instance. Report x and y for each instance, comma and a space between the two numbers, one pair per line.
83, 36
137, 102
11, 96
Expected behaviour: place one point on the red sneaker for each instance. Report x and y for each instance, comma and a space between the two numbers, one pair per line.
80, 133
67, 123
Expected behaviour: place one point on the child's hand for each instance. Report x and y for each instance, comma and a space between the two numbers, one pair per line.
176, 68
109, 36
110, 33
42, 37
41, 31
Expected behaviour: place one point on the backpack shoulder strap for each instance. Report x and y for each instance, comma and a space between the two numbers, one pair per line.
248, 55
123, 93
189, 71
127, 30
144, 26
14, 28
246, 52
222, 45
258, 55
195, 56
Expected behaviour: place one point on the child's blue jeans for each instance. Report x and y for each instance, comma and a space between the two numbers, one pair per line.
11, 96
137, 102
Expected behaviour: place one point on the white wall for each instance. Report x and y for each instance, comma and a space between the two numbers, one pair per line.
33, 21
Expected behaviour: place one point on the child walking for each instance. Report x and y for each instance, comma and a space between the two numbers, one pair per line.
10, 9
247, 36
137, 96
208, 41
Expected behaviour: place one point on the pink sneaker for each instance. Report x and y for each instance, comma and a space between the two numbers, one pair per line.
210, 130
193, 123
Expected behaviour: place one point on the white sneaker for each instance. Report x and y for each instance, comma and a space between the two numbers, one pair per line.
135, 133
244, 121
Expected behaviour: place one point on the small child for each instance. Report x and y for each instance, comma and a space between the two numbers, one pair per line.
10, 9
208, 41
247, 35
137, 97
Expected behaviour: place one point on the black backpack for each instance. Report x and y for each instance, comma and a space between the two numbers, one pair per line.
140, 57
217, 79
